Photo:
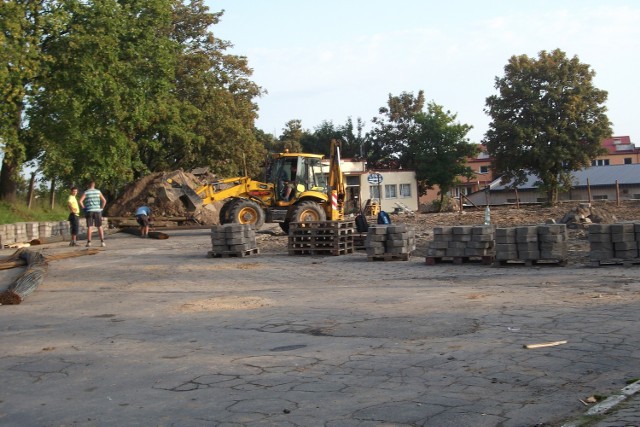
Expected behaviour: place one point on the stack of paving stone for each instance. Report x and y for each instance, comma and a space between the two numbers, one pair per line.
390, 242
532, 244
553, 242
7, 234
321, 237
614, 243
462, 243
233, 240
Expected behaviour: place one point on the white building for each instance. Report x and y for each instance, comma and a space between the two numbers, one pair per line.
391, 190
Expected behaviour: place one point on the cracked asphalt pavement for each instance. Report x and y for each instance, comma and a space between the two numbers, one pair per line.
152, 332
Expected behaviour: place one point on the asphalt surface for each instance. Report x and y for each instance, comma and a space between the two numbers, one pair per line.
153, 332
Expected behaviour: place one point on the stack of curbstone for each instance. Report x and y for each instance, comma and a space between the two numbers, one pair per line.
506, 244
527, 243
233, 240
386, 242
614, 242
553, 241
533, 243
461, 243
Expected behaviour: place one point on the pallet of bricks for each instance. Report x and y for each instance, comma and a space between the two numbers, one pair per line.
390, 242
233, 240
613, 244
321, 237
459, 244
532, 245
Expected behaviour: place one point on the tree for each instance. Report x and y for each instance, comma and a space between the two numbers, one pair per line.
438, 149
216, 87
25, 25
386, 141
106, 86
548, 119
291, 136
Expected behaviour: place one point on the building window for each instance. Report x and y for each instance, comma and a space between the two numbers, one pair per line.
600, 162
390, 191
484, 169
628, 160
374, 192
602, 197
405, 190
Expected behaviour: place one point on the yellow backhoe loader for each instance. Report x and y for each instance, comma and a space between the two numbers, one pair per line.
297, 188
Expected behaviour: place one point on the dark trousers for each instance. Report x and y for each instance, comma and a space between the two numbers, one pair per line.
74, 223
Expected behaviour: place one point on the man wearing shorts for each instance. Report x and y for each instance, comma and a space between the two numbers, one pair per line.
93, 202
143, 215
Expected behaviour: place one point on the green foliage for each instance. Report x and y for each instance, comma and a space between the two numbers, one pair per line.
432, 143
547, 119
438, 149
110, 70
389, 137
291, 138
18, 212
319, 141
24, 27
112, 90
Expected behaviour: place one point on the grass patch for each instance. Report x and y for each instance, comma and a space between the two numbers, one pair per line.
16, 212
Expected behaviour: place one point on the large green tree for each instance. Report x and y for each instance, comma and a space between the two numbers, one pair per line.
217, 86
547, 119
387, 140
438, 149
25, 25
113, 69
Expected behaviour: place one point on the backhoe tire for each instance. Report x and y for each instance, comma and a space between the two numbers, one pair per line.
223, 216
304, 212
246, 212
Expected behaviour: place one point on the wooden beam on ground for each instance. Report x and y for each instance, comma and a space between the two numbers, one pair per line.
28, 281
152, 234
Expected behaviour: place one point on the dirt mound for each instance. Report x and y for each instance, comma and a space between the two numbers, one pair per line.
585, 214
165, 199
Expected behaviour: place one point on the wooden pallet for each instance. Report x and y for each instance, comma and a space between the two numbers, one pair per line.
320, 251
227, 254
486, 260
530, 262
389, 257
323, 227
615, 261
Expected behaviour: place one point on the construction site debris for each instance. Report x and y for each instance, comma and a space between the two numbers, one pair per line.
164, 200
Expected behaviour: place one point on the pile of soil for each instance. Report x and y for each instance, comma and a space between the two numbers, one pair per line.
165, 199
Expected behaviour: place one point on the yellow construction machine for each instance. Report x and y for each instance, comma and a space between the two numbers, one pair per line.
297, 188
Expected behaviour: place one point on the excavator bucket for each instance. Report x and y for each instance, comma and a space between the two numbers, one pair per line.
181, 190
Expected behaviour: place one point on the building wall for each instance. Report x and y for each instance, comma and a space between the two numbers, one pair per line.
608, 192
384, 195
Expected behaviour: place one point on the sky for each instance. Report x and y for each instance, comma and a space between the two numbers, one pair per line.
330, 60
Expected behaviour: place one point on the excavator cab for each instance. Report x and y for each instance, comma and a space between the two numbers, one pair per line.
293, 175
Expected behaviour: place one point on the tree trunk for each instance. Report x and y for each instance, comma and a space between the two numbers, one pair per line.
441, 208
52, 194
8, 181
32, 183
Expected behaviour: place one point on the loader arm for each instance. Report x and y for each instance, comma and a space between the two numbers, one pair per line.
224, 188
234, 187
337, 188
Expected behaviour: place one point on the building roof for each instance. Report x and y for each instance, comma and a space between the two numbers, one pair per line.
597, 175
619, 145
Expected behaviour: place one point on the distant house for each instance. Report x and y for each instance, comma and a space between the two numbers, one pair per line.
620, 151
619, 182
388, 188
